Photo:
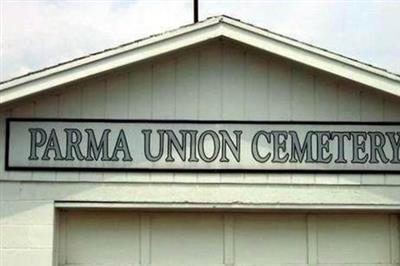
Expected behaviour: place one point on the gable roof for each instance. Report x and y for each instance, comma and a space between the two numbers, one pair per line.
214, 27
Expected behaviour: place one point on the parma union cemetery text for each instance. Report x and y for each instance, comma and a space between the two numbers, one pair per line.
203, 145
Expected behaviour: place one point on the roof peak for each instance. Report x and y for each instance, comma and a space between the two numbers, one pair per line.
211, 27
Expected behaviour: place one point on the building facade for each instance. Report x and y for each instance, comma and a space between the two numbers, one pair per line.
216, 74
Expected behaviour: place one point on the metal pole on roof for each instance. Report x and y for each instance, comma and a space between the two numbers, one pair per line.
196, 10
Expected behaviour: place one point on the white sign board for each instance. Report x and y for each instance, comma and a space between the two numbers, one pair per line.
108, 145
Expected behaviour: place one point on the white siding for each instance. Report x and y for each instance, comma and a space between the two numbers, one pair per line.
165, 238
213, 81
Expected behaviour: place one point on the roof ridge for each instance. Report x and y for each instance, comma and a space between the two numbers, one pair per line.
220, 18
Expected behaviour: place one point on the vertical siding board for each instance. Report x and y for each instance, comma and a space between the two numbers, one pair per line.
46, 107
302, 94
187, 82
3, 115
371, 105
139, 104
326, 109
164, 101
164, 89
302, 107
210, 91
391, 113
279, 82
187, 89
229, 239
349, 108
140, 91
256, 87
117, 96
279, 106
312, 239
94, 98
233, 82
210, 83
93, 106
372, 110
70, 101
145, 239
326, 98
62, 237
391, 108
24, 109
233, 63
117, 105
394, 233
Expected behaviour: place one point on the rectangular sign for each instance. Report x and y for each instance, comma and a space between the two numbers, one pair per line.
50, 144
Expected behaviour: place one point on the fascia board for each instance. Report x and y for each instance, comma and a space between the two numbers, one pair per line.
109, 60
311, 58
309, 48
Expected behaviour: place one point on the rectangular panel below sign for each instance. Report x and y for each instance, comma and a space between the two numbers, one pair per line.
112, 145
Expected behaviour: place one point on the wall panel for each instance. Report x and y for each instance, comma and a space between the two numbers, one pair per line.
213, 81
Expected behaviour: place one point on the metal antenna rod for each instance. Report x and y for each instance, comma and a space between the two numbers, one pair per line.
196, 10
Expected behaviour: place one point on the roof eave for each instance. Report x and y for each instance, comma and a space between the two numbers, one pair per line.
196, 33
106, 61
312, 57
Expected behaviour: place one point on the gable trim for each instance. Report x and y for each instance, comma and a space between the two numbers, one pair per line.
193, 34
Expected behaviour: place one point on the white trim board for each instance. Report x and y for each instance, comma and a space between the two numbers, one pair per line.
193, 34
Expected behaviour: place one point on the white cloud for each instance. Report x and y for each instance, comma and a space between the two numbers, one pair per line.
36, 34
364, 30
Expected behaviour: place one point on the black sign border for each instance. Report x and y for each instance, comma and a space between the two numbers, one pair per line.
188, 121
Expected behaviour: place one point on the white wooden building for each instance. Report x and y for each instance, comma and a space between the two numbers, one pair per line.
220, 73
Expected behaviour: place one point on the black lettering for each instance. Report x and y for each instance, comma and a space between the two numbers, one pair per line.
147, 145
172, 141
94, 149
234, 148
121, 145
280, 146
340, 144
72, 144
35, 142
395, 144
254, 146
216, 146
359, 146
376, 147
298, 152
52, 145
323, 147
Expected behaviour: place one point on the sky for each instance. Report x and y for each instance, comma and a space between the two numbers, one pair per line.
37, 34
